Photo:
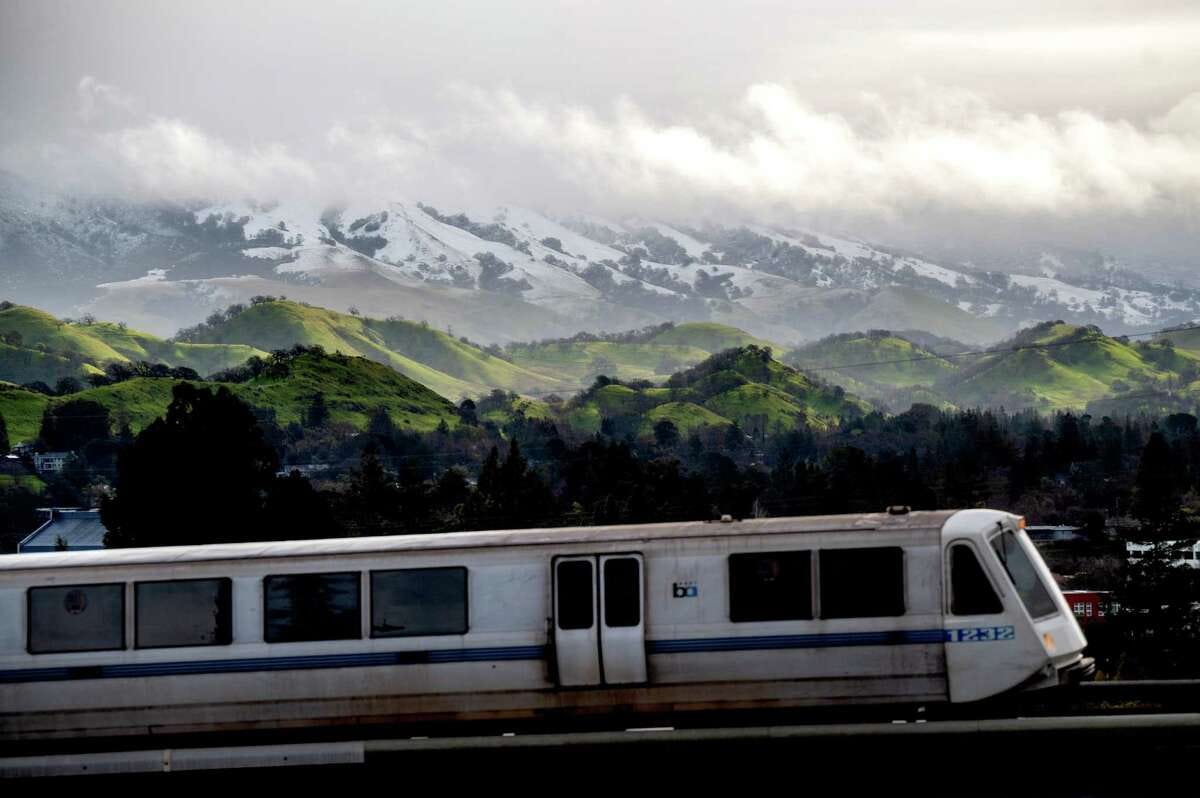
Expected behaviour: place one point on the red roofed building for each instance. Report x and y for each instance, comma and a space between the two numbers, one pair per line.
1089, 606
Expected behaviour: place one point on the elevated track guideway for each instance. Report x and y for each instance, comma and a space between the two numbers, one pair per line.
1049, 746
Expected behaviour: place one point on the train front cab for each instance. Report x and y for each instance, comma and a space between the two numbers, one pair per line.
1007, 625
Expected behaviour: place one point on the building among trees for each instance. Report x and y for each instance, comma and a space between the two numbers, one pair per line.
65, 529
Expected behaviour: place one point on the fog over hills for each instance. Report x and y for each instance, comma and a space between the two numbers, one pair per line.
795, 169
505, 273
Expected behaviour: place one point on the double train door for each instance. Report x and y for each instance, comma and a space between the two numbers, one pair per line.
599, 619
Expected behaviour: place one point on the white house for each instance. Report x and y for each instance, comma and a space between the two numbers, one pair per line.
1187, 553
50, 461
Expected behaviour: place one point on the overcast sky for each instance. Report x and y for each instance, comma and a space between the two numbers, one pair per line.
1081, 122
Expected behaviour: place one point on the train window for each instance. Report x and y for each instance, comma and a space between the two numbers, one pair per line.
186, 612
622, 592
862, 583
301, 607
1023, 575
76, 618
576, 595
773, 586
970, 591
419, 601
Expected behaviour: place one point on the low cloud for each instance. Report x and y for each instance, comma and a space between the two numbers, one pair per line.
117, 148
943, 150
170, 158
96, 98
934, 152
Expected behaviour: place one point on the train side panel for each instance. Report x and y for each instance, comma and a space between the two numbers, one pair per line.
251, 682
697, 655
692, 639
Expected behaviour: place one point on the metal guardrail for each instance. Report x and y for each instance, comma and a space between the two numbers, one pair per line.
174, 760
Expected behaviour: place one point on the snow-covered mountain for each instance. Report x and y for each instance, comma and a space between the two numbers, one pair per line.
511, 273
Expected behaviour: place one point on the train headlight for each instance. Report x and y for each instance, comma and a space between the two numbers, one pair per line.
1048, 640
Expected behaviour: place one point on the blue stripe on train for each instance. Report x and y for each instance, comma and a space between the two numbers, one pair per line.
496, 654
890, 638
365, 660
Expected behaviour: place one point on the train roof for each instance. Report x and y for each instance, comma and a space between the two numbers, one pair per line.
170, 555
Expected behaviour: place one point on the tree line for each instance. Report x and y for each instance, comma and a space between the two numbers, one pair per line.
213, 469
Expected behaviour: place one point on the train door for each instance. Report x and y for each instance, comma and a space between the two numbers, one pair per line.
599, 619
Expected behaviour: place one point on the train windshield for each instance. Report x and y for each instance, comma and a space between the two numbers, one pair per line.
1023, 575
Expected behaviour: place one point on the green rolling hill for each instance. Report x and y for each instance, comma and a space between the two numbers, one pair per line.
708, 336
904, 308
744, 386
1187, 340
448, 365
695, 375
875, 365
39, 347
20, 365
22, 411
653, 357
1056, 365
35, 346
1050, 366
353, 388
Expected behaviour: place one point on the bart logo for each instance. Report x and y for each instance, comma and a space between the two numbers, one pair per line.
685, 590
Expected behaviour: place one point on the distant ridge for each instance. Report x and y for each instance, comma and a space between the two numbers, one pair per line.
500, 274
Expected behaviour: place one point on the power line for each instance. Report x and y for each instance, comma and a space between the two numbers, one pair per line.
997, 350
949, 355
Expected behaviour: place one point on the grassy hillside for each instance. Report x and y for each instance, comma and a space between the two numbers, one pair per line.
1062, 365
22, 412
580, 362
204, 358
654, 357
708, 336
1187, 340
501, 411
446, 364
51, 348
39, 329
900, 308
875, 364
353, 387
21, 365
744, 386
1051, 366
686, 416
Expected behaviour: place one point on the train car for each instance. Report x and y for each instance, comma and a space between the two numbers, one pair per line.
917, 608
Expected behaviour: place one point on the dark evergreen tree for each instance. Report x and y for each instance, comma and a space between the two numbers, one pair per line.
466, 412
18, 516
67, 385
373, 496
380, 425
317, 413
1156, 492
198, 475
294, 510
71, 425
666, 434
